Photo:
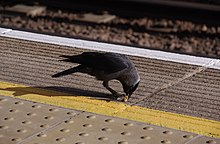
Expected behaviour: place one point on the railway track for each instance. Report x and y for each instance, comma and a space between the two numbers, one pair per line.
197, 11
144, 27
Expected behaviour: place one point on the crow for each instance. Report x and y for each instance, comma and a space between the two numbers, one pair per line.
105, 67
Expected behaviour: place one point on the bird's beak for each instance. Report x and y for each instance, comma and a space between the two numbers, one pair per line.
126, 97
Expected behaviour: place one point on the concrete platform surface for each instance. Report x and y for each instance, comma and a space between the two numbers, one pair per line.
182, 98
173, 87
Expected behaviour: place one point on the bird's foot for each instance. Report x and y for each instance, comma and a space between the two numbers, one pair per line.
121, 97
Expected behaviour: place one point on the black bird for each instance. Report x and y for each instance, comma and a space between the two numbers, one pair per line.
106, 67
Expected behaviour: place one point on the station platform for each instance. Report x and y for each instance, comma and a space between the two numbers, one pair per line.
177, 102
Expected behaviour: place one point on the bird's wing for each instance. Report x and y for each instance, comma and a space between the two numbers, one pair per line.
112, 63
106, 62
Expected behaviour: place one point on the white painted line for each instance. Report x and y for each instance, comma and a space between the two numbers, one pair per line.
99, 46
4, 31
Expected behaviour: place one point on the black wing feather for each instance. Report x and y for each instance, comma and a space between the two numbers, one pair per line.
107, 62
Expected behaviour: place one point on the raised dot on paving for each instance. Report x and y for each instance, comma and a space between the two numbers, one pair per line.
16, 139
9, 118
3, 99
60, 139
49, 117
122, 142
70, 113
31, 114
109, 120
3, 127
26, 122
36, 106
128, 124
53, 110
91, 117
102, 138
83, 134
69, 121
65, 130
145, 137
187, 136
87, 125
79, 143
18, 103
13, 110
21, 131
126, 133
44, 126
107, 129
41, 135
165, 142
210, 142
147, 128
167, 132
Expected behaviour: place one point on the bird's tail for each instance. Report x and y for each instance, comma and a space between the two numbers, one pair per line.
73, 59
66, 72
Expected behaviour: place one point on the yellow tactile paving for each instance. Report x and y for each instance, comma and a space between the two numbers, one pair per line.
171, 120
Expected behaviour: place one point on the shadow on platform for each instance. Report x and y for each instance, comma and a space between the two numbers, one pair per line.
57, 91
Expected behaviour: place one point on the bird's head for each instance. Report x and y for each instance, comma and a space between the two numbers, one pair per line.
130, 89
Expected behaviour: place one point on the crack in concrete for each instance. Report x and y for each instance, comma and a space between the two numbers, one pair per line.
177, 81
193, 139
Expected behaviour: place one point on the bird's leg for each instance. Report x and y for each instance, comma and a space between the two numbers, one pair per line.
120, 97
105, 84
